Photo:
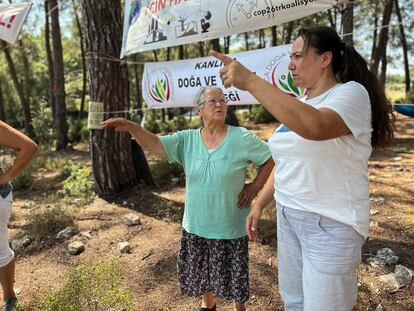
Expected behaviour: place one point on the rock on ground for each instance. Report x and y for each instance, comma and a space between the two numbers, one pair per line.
132, 220
66, 233
75, 248
124, 247
21, 243
384, 257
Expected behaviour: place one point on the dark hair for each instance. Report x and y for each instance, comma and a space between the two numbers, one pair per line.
349, 65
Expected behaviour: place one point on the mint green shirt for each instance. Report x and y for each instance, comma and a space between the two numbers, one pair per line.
214, 180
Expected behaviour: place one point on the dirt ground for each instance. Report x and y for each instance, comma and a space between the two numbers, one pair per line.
150, 268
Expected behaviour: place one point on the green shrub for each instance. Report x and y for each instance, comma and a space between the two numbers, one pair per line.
78, 184
53, 164
78, 130
364, 288
48, 221
18, 307
152, 123
92, 286
167, 209
179, 123
39, 162
162, 170
243, 116
66, 171
195, 123
43, 125
25, 179
260, 115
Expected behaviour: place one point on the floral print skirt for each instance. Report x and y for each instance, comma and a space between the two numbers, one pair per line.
217, 266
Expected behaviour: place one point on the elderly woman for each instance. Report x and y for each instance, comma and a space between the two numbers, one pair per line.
321, 181
10, 138
213, 256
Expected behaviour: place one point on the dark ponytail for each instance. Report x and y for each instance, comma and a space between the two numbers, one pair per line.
349, 65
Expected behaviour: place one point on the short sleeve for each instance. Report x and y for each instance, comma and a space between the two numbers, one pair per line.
257, 150
174, 147
351, 101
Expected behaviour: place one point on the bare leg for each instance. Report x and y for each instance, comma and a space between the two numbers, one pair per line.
239, 307
7, 280
208, 300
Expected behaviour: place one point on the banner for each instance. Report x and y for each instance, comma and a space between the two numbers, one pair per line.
12, 17
175, 83
154, 24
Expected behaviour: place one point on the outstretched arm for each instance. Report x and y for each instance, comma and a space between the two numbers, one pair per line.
306, 121
26, 148
145, 139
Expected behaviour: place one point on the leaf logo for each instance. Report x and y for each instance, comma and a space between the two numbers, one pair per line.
286, 83
160, 89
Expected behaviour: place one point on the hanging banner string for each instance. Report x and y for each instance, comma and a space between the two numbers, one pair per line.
373, 29
100, 56
96, 114
122, 111
96, 55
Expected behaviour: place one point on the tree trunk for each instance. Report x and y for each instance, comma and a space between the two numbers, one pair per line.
59, 79
28, 81
215, 45
52, 101
154, 52
137, 84
246, 41
274, 35
384, 63
332, 18
289, 32
375, 34
381, 47
168, 54
348, 23
231, 118
112, 161
142, 170
201, 49
181, 52
84, 77
2, 113
227, 45
261, 39
405, 48
20, 92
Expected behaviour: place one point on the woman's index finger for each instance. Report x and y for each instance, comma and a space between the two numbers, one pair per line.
223, 58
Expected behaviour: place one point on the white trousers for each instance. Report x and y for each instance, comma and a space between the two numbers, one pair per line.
6, 253
317, 259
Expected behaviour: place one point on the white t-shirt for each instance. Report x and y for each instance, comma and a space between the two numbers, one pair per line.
328, 177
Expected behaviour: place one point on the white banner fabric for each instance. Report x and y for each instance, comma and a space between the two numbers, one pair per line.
176, 83
12, 17
154, 24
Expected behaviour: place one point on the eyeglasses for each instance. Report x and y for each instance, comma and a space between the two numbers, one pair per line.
213, 102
